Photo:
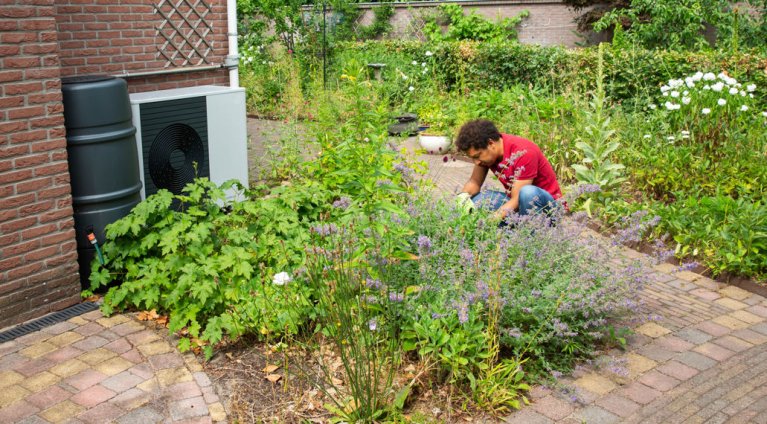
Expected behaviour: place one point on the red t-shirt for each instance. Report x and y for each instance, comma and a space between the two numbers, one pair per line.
523, 160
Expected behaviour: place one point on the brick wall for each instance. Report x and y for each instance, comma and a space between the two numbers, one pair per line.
38, 257
549, 23
121, 37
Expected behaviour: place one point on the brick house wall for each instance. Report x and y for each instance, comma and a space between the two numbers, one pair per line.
38, 256
120, 37
42, 41
550, 22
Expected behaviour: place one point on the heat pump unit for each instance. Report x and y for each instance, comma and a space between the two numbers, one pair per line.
190, 132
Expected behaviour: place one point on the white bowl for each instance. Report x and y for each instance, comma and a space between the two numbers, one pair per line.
434, 144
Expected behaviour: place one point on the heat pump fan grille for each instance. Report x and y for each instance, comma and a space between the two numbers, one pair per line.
174, 143
174, 157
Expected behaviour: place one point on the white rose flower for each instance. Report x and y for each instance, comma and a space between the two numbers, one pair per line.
670, 138
698, 75
652, 106
764, 114
708, 76
751, 88
707, 87
743, 108
686, 100
282, 278
423, 63
705, 111
674, 94
411, 88
646, 136
428, 53
404, 77
685, 134
733, 91
721, 102
414, 63
664, 88
751, 95
689, 82
669, 105
717, 87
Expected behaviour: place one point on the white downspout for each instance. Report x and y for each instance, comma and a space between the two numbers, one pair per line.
233, 59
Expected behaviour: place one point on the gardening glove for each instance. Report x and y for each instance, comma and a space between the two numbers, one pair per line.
463, 202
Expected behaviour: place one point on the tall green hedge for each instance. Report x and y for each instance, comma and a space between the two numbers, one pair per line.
630, 74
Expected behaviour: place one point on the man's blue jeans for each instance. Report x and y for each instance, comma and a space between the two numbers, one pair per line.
531, 199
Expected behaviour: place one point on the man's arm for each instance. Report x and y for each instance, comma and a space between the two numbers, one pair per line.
476, 180
513, 203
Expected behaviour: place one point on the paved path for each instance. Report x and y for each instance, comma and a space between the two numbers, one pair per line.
704, 362
92, 369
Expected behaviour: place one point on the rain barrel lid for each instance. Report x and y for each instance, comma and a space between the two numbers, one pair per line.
86, 79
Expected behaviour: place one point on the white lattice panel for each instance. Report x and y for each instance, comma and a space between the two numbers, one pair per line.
184, 30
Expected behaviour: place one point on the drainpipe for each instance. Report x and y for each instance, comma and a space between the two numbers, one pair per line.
232, 60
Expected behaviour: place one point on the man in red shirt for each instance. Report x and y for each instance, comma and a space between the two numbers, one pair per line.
519, 164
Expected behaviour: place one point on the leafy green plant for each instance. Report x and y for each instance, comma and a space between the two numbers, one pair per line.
649, 21
471, 26
597, 145
208, 267
439, 119
729, 234
459, 348
381, 25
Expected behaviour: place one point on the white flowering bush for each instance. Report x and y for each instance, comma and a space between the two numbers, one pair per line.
706, 108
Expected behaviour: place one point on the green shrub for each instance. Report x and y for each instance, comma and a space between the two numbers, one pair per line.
631, 75
728, 234
474, 27
209, 267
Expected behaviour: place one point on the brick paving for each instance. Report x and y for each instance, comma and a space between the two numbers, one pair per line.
92, 369
703, 361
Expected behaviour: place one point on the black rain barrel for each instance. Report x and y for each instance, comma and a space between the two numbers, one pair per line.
103, 161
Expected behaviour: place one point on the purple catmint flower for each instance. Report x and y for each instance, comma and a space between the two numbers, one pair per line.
687, 266
325, 229
424, 244
635, 226
373, 324
483, 290
396, 297
463, 313
342, 203
560, 327
535, 293
402, 168
466, 255
373, 283
582, 189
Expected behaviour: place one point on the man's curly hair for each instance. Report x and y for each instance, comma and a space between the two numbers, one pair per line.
476, 134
